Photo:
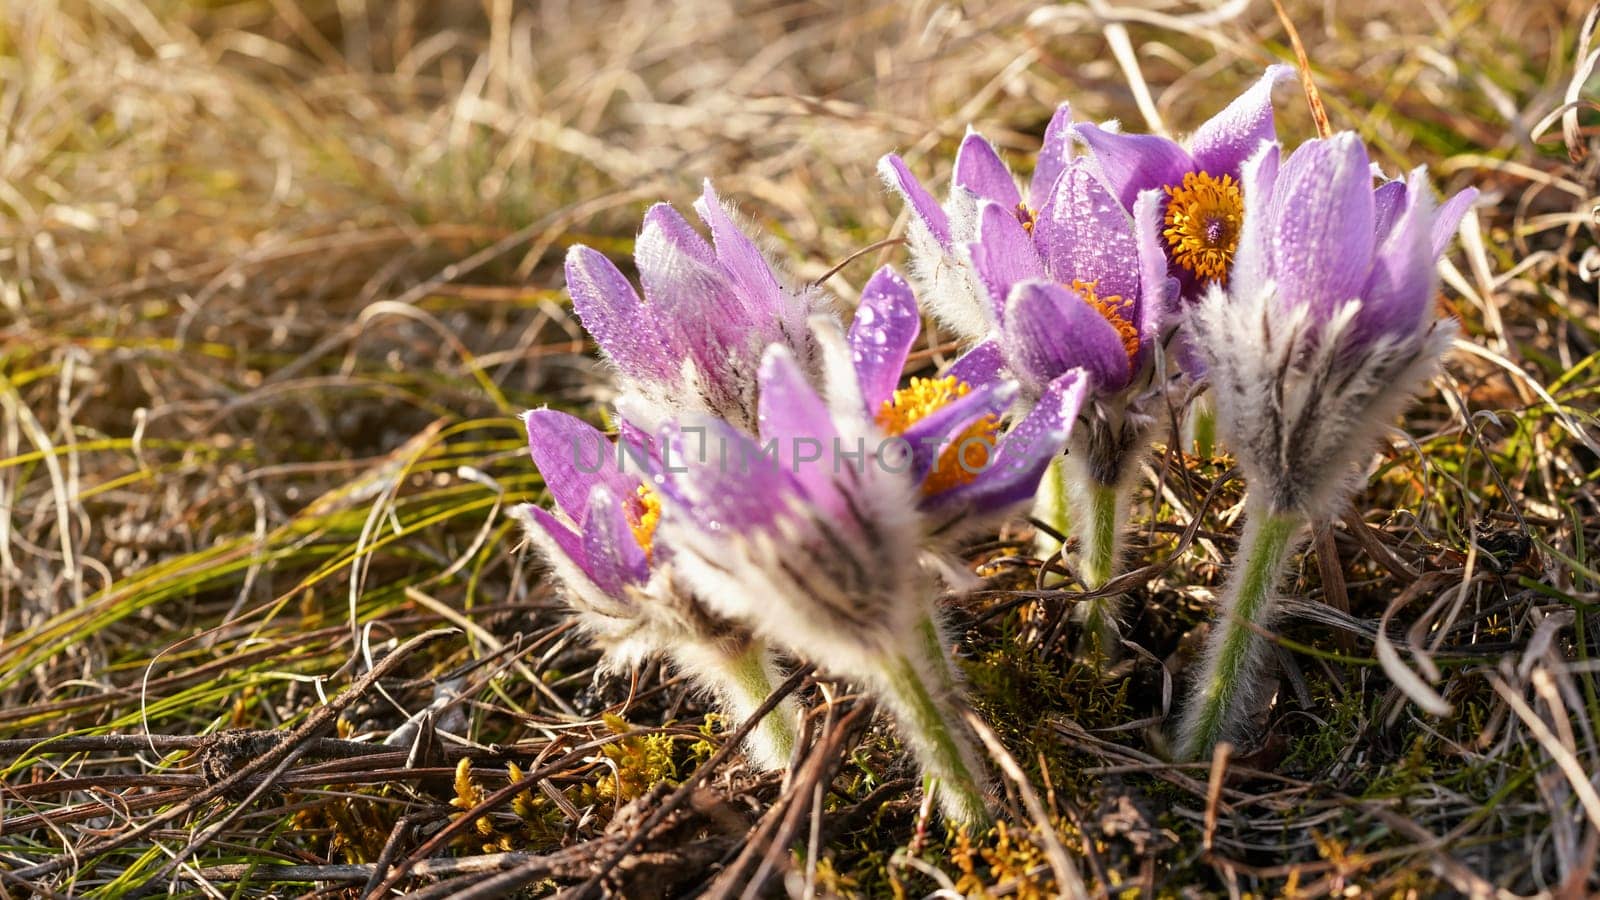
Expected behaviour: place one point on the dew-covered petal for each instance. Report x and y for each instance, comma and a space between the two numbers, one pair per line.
1322, 223
741, 260
1050, 330
1003, 254
886, 325
692, 298
574, 458
1227, 139
614, 560
894, 172
1054, 154
1131, 163
982, 365
980, 170
623, 326
1012, 476
716, 478
798, 429
1084, 234
937, 432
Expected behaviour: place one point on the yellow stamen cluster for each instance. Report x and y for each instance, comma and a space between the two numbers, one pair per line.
1026, 216
1111, 309
1203, 219
963, 458
644, 517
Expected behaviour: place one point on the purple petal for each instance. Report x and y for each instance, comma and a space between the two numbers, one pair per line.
613, 555
1003, 254
1050, 330
1012, 476
1387, 202
1449, 218
933, 434
1399, 292
1230, 137
622, 325
1054, 154
1084, 234
981, 366
574, 458
716, 478
678, 235
739, 256
796, 425
567, 541
1131, 163
694, 303
980, 170
1322, 223
892, 169
1252, 260
886, 325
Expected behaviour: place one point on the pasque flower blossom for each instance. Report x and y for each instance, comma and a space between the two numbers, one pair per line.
1323, 334
1084, 285
1203, 203
1069, 279
691, 344
603, 545
938, 234
813, 533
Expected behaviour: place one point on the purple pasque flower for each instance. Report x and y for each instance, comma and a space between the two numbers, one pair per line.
938, 234
1085, 287
600, 540
1325, 331
709, 309
968, 469
1203, 205
602, 545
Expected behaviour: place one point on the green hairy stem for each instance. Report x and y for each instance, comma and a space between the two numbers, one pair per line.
1234, 649
745, 680
921, 687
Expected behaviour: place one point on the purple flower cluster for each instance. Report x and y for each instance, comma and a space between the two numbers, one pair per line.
797, 495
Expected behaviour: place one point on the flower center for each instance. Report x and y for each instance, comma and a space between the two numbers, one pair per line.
1027, 216
962, 458
644, 514
1203, 219
1112, 310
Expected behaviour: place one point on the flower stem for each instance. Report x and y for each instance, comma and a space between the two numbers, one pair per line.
1052, 506
1100, 550
745, 681
931, 720
1234, 649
